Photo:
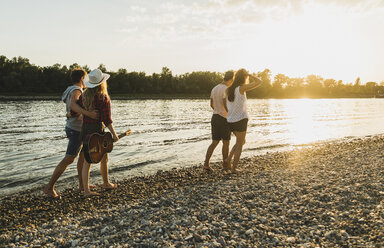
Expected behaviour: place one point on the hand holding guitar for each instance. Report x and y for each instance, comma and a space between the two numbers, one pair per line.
99, 144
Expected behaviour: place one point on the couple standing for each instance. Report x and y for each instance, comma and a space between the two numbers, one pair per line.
87, 112
230, 114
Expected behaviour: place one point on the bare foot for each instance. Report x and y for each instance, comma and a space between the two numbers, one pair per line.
51, 193
226, 166
235, 171
91, 187
109, 186
207, 168
90, 194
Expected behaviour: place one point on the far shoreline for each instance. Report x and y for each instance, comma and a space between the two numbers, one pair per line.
26, 97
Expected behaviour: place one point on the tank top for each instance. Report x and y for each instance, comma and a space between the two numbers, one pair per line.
74, 122
237, 110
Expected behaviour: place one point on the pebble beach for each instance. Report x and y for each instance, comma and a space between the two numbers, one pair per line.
321, 195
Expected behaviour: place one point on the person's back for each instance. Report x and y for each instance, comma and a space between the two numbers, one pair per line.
218, 97
219, 126
76, 120
237, 109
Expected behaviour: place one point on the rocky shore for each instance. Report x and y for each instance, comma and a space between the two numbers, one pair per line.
325, 195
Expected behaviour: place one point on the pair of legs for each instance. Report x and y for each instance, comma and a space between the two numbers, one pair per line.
236, 151
104, 174
210, 150
49, 189
73, 148
220, 131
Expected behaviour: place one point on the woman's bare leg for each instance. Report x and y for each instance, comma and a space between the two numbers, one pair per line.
104, 173
85, 177
240, 140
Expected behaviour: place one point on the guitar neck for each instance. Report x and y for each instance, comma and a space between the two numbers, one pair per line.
124, 134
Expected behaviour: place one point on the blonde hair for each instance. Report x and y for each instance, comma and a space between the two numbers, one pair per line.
90, 93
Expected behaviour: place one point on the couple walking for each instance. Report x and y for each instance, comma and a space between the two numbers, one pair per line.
230, 114
87, 112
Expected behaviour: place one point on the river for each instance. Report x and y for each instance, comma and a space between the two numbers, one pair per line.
169, 134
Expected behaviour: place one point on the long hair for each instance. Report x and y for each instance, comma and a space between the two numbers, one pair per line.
90, 93
240, 78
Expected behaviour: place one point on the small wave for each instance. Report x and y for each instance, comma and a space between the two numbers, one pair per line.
20, 182
269, 147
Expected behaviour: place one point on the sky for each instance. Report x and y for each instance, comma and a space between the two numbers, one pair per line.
339, 39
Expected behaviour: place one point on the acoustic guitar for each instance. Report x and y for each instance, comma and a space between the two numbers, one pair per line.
99, 144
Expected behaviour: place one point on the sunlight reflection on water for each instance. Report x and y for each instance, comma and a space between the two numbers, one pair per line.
170, 133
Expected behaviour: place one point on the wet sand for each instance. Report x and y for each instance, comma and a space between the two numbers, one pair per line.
329, 194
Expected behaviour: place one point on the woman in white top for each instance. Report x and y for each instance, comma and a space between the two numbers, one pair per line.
237, 117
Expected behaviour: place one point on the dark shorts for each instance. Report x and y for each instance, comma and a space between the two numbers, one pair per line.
239, 126
220, 128
74, 143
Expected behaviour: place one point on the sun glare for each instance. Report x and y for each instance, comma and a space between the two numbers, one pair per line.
302, 125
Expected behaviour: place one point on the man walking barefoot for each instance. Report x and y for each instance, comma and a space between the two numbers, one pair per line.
72, 129
219, 126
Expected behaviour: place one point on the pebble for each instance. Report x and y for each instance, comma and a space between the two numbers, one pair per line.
326, 195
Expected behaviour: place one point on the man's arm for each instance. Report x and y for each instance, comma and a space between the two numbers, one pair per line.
75, 107
213, 107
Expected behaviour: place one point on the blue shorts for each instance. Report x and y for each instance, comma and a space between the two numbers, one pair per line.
74, 142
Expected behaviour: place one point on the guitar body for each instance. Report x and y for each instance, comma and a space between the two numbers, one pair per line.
100, 144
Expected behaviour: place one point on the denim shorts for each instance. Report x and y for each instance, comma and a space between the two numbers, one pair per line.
74, 142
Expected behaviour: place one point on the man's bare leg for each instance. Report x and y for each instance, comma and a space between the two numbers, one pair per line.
209, 153
225, 151
49, 189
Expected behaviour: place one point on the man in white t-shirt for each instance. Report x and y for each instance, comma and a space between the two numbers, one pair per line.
219, 126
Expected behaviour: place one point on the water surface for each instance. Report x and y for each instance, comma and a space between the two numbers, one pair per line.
169, 134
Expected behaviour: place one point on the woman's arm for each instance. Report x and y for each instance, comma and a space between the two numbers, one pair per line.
76, 108
255, 82
105, 116
112, 130
212, 106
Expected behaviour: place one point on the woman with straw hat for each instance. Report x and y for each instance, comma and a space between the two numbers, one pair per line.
96, 97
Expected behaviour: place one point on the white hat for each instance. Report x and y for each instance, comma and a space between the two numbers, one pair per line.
95, 78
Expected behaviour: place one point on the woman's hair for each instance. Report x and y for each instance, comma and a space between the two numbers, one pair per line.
89, 95
240, 77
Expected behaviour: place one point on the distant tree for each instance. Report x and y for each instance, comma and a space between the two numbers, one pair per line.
265, 88
102, 68
357, 81
74, 66
315, 85
19, 76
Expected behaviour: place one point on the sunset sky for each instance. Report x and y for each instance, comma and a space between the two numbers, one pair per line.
339, 39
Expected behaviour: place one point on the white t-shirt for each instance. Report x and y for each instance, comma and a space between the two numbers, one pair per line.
218, 96
237, 110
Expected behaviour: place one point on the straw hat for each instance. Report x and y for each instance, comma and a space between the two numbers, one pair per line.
95, 78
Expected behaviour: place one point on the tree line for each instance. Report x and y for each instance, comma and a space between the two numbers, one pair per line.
19, 77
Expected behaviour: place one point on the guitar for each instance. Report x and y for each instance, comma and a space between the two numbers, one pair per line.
99, 144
